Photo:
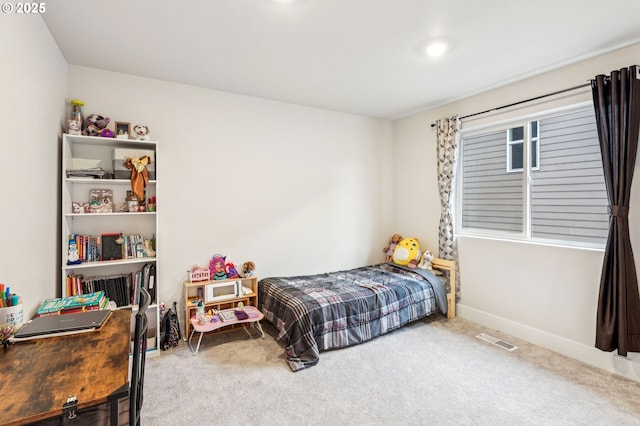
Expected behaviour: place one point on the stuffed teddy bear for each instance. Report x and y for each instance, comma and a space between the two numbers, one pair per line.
141, 132
94, 124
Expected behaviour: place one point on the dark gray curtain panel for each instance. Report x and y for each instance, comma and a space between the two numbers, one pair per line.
617, 107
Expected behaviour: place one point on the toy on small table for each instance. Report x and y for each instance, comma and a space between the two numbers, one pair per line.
393, 242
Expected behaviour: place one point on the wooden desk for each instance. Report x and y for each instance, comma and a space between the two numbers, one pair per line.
39, 375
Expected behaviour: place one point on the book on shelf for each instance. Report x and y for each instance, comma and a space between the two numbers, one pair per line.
109, 246
73, 304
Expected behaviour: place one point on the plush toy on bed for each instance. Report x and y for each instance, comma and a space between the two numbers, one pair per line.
393, 242
406, 251
425, 263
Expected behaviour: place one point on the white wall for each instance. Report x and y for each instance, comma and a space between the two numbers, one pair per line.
33, 79
295, 189
546, 295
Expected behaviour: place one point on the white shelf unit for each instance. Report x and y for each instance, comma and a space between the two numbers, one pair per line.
144, 223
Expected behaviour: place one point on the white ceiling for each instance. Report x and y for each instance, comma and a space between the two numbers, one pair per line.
355, 56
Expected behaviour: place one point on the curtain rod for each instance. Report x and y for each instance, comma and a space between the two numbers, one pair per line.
522, 102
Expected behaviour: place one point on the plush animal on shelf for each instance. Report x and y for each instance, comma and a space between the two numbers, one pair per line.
248, 269
406, 250
216, 267
106, 133
94, 124
230, 270
393, 242
141, 132
425, 262
74, 127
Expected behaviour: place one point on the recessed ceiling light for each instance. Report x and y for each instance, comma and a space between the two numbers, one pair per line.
436, 48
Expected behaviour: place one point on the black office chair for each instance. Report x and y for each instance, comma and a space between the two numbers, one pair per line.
139, 356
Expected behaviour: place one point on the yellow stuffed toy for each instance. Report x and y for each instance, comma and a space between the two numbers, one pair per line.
406, 251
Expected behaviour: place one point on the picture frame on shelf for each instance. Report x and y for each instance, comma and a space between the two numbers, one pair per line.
123, 130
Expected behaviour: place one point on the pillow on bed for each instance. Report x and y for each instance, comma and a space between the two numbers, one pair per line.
406, 251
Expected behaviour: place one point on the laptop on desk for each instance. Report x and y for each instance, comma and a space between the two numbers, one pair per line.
60, 325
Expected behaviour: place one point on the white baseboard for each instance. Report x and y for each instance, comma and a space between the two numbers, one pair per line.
626, 367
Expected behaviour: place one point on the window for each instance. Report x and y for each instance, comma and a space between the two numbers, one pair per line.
559, 198
515, 147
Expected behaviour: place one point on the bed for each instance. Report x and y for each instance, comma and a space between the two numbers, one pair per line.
320, 312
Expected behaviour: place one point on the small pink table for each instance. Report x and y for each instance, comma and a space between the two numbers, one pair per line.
255, 316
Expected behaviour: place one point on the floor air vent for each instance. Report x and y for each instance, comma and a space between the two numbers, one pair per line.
497, 342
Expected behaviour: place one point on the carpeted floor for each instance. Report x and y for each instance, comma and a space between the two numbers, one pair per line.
433, 372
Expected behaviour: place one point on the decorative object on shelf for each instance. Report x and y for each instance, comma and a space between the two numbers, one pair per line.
72, 256
106, 133
94, 124
197, 274
74, 127
216, 267
139, 175
77, 207
132, 202
141, 132
101, 201
151, 205
248, 269
76, 115
123, 130
230, 270
111, 246
150, 252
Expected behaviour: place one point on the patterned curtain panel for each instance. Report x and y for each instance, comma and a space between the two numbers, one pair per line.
447, 136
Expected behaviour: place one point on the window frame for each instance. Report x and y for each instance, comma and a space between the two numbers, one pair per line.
533, 154
506, 124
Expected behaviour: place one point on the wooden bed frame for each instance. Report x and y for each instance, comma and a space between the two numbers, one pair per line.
450, 266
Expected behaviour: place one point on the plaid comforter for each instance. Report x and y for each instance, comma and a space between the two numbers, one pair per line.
334, 310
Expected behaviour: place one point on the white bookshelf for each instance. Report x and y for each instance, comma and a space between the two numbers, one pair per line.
77, 189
